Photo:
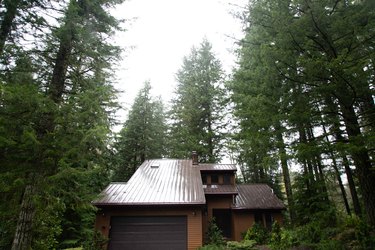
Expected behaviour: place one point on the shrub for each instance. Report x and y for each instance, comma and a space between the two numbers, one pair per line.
243, 245
282, 238
214, 234
357, 234
212, 247
257, 233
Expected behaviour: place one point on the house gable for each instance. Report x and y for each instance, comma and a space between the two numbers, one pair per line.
157, 182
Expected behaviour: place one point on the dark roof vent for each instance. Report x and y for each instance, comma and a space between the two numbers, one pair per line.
155, 165
194, 157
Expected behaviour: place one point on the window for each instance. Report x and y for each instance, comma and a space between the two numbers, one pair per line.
269, 221
204, 179
258, 218
227, 179
214, 179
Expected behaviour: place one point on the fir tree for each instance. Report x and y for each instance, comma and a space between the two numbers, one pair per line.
142, 136
198, 108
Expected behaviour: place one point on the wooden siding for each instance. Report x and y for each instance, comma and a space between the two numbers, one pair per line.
278, 217
220, 177
194, 220
215, 202
242, 220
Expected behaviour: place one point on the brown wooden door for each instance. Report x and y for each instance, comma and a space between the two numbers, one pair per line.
148, 232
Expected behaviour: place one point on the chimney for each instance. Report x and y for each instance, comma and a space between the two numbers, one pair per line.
194, 157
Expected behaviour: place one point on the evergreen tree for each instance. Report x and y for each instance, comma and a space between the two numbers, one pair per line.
142, 136
18, 17
297, 55
197, 111
56, 105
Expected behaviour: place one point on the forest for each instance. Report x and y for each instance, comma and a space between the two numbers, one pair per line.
297, 112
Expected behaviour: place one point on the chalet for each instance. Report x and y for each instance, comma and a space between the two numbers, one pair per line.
168, 203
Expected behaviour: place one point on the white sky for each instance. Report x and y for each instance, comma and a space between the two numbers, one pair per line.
162, 32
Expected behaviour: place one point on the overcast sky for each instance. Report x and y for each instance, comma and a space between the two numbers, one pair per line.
161, 32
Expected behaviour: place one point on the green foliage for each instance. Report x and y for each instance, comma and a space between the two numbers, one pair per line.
243, 245
142, 136
56, 138
196, 116
257, 233
284, 239
212, 247
231, 245
214, 235
355, 233
97, 242
284, 90
351, 233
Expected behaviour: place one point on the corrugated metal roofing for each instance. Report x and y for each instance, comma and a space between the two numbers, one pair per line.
216, 167
157, 182
220, 189
257, 196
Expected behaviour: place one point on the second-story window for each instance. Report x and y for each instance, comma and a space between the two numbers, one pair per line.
214, 179
204, 179
227, 179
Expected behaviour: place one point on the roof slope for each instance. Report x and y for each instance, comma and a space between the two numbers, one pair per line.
220, 189
157, 182
257, 196
216, 167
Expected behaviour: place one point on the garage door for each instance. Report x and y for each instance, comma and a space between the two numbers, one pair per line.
148, 232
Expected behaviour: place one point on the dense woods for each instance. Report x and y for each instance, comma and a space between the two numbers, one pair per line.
56, 101
297, 113
303, 95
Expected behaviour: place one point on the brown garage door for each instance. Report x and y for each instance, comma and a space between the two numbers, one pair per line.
148, 232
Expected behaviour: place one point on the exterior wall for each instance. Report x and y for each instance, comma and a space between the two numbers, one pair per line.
215, 202
220, 177
243, 219
278, 217
194, 220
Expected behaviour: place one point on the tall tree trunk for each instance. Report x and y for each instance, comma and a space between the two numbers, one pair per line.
23, 235
368, 110
308, 170
352, 188
6, 24
285, 169
57, 85
361, 160
337, 172
333, 109
210, 143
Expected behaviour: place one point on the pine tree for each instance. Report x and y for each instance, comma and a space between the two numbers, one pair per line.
54, 148
142, 136
197, 110
294, 55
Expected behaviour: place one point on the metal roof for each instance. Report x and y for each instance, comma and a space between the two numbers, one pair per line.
216, 167
220, 189
157, 182
257, 196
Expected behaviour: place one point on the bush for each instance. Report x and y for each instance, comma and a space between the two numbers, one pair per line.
243, 245
258, 234
356, 234
214, 234
283, 238
212, 247
330, 244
